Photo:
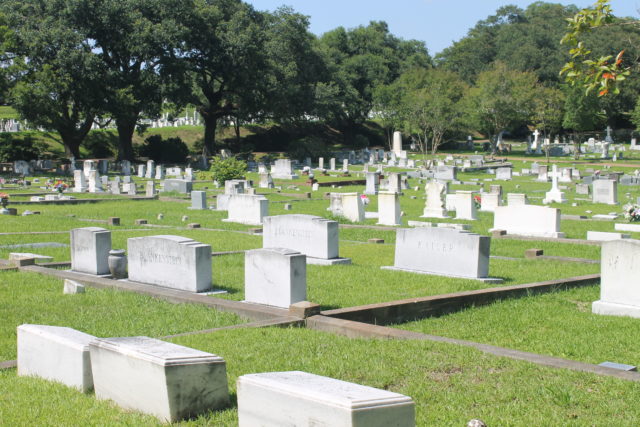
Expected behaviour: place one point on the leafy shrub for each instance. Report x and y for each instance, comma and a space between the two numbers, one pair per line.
101, 144
225, 169
26, 148
170, 150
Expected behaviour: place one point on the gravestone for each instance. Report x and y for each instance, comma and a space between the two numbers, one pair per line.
517, 199
95, 185
504, 174
373, 183
151, 168
582, 189
114, 187
159, 172
141, 171
397, 142
265, 180
198, 200
314, 236
335, 204
443, 252
434, 207
125, 167
55, 353
275, 277
80, 183
170, 261
247, 209
605, 191
566, 175
166, 380
528, 220
619, 286
554, 195
21, 167
283, 169
352, 207
542, 173
90, 248
490, 201
181, 186
150, 189
465, 205
394, 182
446, 173
276, 399
388, 208
321, 163
332, 164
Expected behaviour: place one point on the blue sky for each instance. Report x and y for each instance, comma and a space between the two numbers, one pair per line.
437, 22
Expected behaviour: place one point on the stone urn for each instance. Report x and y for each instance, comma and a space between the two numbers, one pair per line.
117, 264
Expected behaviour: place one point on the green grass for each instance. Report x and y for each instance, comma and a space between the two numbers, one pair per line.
558, 324
450, 385
31, 298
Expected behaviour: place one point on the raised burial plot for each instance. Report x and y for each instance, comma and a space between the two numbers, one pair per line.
166, 380
443, 252
276, 399
55, 353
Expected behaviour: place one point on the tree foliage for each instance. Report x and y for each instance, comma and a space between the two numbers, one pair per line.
225, 169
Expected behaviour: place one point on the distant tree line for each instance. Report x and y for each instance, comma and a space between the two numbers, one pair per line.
70, 63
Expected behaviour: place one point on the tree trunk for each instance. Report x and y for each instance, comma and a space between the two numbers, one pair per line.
72, 137
210, 125
126, 126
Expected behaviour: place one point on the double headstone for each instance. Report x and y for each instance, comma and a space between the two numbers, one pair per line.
247, 209
605, 191
528, 220
90, 248
275, 277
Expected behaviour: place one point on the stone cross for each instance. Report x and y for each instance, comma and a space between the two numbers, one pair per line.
554, 177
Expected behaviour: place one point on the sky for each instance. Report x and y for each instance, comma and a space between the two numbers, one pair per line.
437, 22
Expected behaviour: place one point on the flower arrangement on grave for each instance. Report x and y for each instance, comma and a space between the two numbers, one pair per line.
60, 186
477, 201
4, 199
365, 199
632, 212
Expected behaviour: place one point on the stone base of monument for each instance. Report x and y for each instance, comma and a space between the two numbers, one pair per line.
549, 235
55, 353
434, 214
495, 280
209, 291
331, 261
297, 398
241, 221
614, 309
371, 215
168, 381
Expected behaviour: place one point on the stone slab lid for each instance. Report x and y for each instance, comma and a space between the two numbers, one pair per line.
330, 391
156, 351
92, 229
60, 334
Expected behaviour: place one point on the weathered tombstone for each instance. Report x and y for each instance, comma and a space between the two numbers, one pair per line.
528, 220
435, 206
297, 398
170, 261
314, 236
114, 186
352, 207
265, 180
388, 208
151, 168
21, 167
79, 181
582, 189
490, 201
90, 248
181, 186
517, 199
159, 172
394, 182
373, 183
198, 200
465, 205
504, 174
131, 189
55, 353
150, 189
554, 195
166, 380
345, 165
125, 167
283, 169
443, 252
543, 173
446, 173
275, 277
247, 209
566, 175
605, 191
321, 163
141, 171
397, 142
332, 164
619, 270
95, 184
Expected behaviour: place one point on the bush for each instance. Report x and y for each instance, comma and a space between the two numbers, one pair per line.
101, 144
26, 148
225, 169
170, 150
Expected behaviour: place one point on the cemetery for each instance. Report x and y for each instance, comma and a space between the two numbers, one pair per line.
373, 276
